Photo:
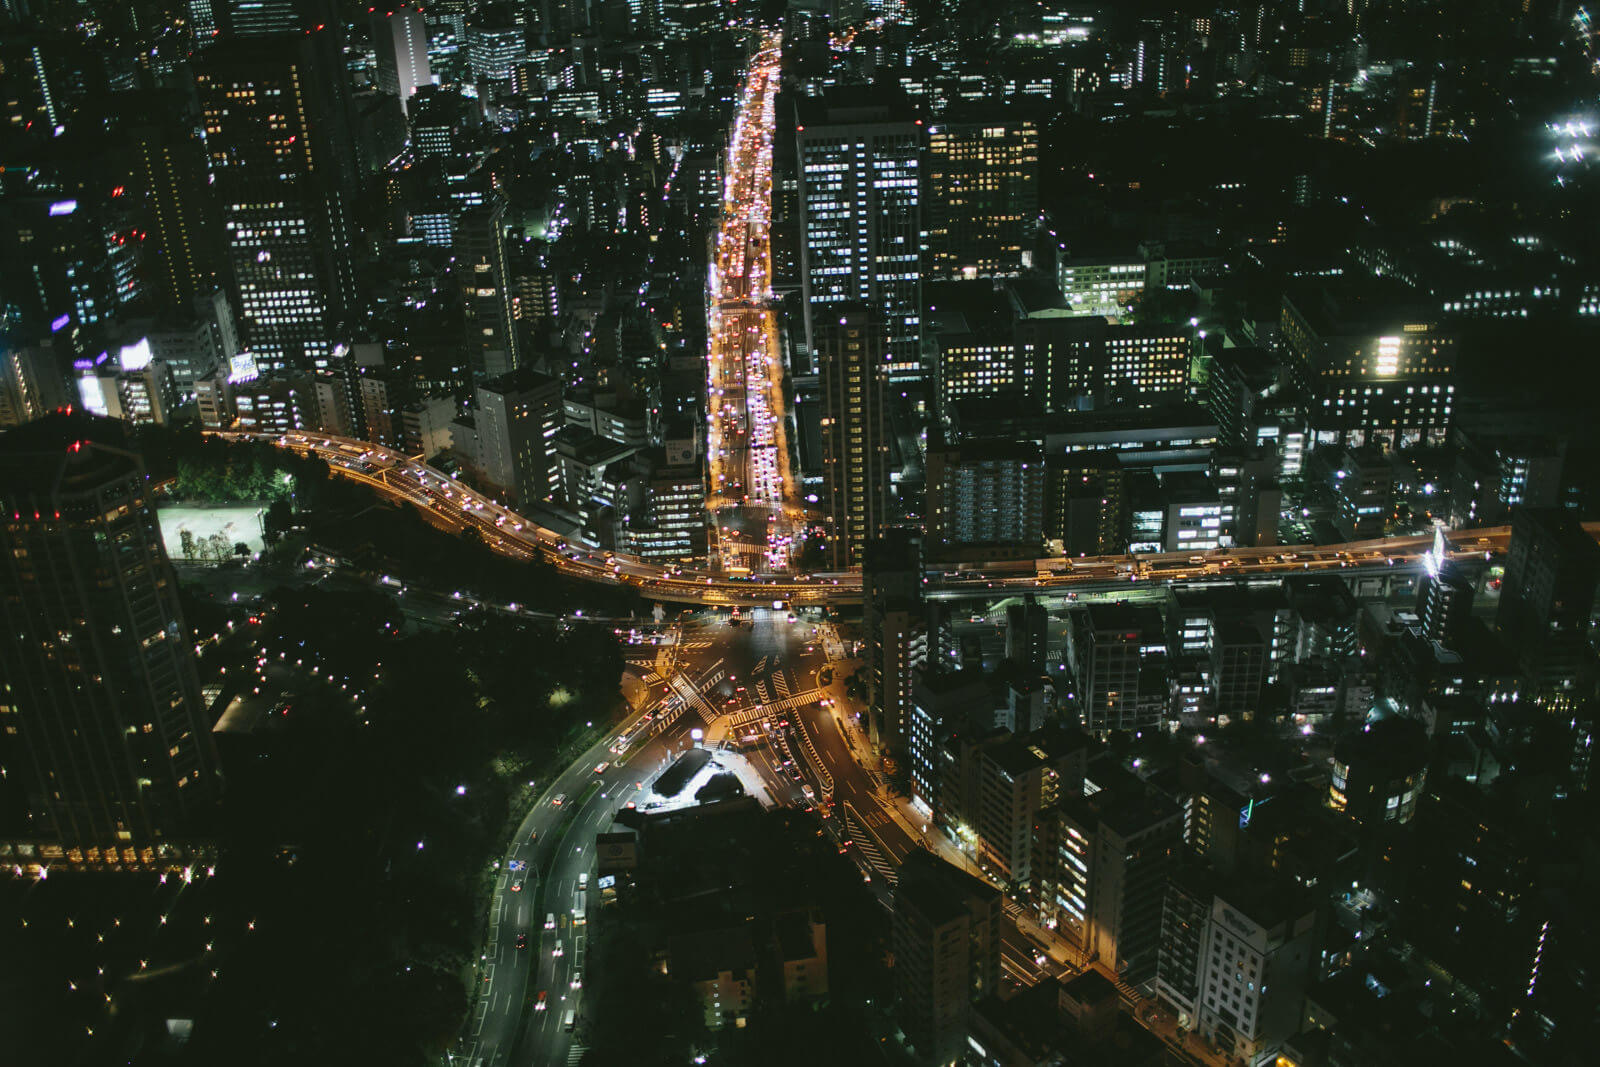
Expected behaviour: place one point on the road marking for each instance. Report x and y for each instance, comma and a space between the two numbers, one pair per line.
867, 844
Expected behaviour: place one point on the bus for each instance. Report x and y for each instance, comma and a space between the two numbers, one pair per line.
571, 1021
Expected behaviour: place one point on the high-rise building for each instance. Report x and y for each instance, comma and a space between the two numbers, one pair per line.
852, 355
31, 383
1085, 503
401, 39
1070, 362
989, 493
1104, 862
1547, 599
942, 699
1444, 596
1117, 654
168, 167
104, 746
486, 293
1380, 771
495, 46
896, 624
1236, 961
982, 197
861, 224
1374, 372
518, 416
995, 786
946, 941
277, 140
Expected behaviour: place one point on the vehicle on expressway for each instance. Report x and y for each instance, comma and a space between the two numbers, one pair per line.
543, 1002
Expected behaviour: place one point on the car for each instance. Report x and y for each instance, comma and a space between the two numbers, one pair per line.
559, 950
577, 980
543, 1002
550, 921
522, 940
559, 799
600, 768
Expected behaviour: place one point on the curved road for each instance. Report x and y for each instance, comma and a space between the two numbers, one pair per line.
456, 507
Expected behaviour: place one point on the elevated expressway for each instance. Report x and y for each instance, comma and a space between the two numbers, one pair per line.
452, 506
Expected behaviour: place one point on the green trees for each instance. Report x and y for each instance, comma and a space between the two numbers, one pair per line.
366, 933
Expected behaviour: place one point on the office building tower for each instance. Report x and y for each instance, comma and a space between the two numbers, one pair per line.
1117, 654
1085, 503
852, 357
267, 18
946, 941
1374, 372
1146, 366
104, 743
1027, 632
496, 45
1494, 475
1547, 598
972, 366
943, 699
1072, 363
1379, 771
982, 203
400, 38
861, 224
277, 143
1363, 492
1236, 961
993, 788
896, 624
518, 416
1247, 483
485, 292
168, 167
1444, 596
985, 493
682, 20
1103, 866
31, 383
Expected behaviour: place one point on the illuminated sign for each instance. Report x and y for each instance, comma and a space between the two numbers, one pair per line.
63, 207
91, 394
136, 356
60, 324
242, 367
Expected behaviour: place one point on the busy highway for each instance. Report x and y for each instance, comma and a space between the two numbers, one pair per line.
455, 506
752, 496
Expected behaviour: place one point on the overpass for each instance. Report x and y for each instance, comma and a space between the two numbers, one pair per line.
453, 506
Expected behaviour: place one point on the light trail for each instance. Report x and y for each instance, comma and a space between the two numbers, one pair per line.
749, 456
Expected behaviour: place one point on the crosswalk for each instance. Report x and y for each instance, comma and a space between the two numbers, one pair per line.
855, 823
766, 710
575, 1053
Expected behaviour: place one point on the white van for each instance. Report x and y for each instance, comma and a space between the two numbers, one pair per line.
583, 880
571, 1020
550, 921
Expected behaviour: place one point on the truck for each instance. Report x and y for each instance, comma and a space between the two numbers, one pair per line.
1052, 567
